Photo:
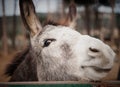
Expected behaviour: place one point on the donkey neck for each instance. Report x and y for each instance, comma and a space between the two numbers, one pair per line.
26, 71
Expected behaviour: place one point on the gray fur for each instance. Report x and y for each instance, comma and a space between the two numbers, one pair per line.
26, 71
67, 52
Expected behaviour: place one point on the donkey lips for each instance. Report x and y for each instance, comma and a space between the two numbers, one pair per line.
98, 69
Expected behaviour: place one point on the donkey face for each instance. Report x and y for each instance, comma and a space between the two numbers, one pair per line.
62, 48
62, 53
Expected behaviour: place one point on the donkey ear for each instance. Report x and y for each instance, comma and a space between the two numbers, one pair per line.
29, 17
72, 15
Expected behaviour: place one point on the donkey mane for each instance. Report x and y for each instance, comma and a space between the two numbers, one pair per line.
51, 22
17, 60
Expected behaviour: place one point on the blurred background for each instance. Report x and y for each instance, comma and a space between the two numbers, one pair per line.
97, 18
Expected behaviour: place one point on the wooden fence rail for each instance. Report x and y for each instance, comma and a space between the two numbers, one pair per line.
61, 84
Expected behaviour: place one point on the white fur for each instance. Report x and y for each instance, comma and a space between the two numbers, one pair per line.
79, 45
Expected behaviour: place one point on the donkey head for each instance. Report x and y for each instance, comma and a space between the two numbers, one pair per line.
62, 53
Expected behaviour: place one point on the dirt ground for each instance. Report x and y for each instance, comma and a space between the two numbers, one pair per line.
5, 60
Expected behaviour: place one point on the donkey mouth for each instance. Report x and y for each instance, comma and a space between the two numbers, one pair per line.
97, 69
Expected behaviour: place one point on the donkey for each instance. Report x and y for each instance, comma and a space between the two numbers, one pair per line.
59, 53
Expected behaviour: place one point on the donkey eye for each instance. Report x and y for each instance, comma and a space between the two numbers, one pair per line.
47, 42
93, 49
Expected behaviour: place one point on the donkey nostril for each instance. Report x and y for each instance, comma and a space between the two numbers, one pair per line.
93, 49
82, 67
